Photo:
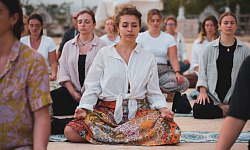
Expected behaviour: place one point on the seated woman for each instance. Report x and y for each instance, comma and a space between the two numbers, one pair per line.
163, 46
77, 57
111, 37
131, 108
209, 32
24, 86
43, 44
218, 68
170, 25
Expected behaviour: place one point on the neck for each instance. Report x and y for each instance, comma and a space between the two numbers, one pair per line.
154, 33
6, 43
112, 36
86, 37
227, 40
35, 37
126, 46
210, 37
172, 33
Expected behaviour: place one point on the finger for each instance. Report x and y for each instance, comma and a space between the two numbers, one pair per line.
208, 100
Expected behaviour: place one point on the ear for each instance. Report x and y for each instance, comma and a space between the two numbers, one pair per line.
219, 27
14, 19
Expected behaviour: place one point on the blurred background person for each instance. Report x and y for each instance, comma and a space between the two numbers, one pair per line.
171, 25
24, 86
163, 46
25, 31
111, 36
41, 43
208, 33
77, 57
69, 34
239, 111
219, 65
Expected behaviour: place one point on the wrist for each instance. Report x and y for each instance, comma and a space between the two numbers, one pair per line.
177, 72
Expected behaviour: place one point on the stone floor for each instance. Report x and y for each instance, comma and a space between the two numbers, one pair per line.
185, 123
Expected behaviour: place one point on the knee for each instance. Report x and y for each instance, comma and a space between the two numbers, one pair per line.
71, 135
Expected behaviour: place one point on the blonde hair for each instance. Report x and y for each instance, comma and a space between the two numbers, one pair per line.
170, 18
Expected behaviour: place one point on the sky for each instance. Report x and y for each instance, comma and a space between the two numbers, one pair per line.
76, 5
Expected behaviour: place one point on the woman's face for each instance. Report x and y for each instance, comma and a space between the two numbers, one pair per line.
228, 25
35, 27
129, 28
154, 24
109, 26
210, 28
85, 24
170, 26
6, 21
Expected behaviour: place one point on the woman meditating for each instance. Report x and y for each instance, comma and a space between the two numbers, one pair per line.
131, 109
219, 65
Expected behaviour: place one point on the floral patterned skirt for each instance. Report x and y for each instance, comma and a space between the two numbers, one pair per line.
147, 128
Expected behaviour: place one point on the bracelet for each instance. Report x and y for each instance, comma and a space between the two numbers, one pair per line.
177, 71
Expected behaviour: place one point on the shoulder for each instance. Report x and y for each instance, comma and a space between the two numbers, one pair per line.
242, 44
144, 53
24, 39
143, 34
46, 38
99, 42
197, 42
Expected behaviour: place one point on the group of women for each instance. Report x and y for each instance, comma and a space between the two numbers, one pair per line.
113, 91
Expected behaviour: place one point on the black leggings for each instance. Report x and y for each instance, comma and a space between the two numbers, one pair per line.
207, 111
63, 102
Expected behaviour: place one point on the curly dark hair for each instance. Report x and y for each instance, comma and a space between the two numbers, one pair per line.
126, 9
14, 6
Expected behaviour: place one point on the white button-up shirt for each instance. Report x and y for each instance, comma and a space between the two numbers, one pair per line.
109, 76
196, 52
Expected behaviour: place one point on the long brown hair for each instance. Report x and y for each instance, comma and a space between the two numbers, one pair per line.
203, 31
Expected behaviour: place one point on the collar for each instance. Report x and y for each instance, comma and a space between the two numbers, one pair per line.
94, 41
15, 50
114, 53
217, 42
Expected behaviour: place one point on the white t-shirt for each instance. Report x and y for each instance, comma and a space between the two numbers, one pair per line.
158, 46
109, 76
47, 45
108, 42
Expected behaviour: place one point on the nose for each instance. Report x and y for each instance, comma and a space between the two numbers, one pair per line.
130, 28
